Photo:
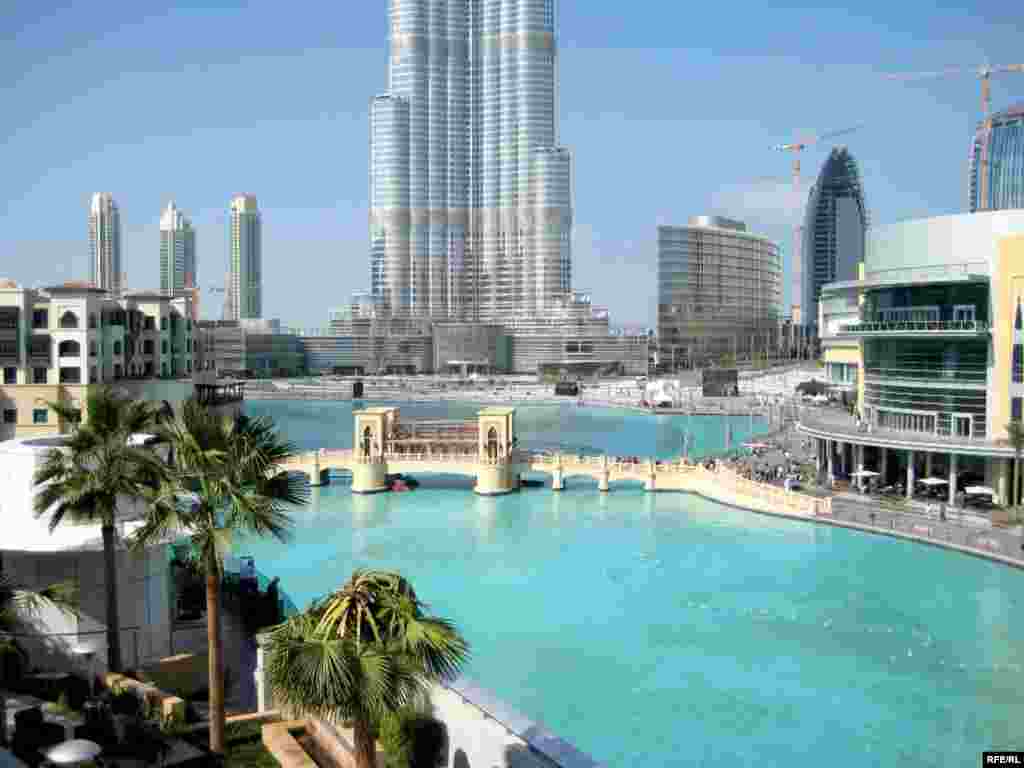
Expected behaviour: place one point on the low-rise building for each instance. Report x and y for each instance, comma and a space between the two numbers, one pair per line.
939, 341
58, 341
250, 347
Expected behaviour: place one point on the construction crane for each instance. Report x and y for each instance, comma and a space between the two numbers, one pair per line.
797, 147
983, 73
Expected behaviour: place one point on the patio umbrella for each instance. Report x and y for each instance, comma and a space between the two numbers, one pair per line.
864, 473
812, 387
979, 490
934, 481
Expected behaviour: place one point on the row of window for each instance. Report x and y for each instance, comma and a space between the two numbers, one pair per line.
39, 416
69, 320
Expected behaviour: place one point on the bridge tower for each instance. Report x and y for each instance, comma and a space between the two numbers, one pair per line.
497, 466
373, 426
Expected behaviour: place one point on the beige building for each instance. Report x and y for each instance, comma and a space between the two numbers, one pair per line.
58, 341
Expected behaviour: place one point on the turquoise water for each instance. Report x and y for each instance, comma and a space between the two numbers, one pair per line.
665, 629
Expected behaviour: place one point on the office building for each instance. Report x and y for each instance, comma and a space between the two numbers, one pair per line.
245, 282
249, 348
719, 293
996, 165
177, 252
471, 201
834, 229
939, 349
105, 243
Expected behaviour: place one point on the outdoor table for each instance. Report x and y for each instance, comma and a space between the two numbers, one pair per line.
73, 752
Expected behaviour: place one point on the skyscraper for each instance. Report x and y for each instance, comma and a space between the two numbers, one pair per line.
834, 229
471, 201
105, 242
996, 170
245, 283
177, 252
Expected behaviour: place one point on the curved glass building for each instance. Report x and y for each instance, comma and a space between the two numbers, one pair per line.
834, 229
996, 165
470, 196
719, 291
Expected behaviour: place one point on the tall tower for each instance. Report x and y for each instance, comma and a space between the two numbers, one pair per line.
471, 204
105, 242
996, 170
245, 285
177, 252
834, 229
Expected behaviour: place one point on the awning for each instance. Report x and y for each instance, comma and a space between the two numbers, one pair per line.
979, 490
934, 481
864, 473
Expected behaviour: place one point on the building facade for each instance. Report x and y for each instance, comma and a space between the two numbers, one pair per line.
250, 348
471, 202
55, 343
177, 252
105, 243
719, 292
940, 352
995, 175
835, 226
245, 281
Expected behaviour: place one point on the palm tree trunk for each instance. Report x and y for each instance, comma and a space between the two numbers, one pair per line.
110, 585
365, 744
216, 660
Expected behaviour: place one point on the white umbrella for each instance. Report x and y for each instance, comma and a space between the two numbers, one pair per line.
864, 473
934, 481
979, 490
72, 752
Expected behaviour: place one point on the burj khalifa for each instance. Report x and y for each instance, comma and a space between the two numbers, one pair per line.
470, 194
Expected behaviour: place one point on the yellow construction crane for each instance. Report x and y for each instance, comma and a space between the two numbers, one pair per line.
983, 73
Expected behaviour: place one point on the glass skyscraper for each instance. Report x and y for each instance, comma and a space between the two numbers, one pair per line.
245, 279
471, 200
996, 170
105, 242
177, 252
834, 229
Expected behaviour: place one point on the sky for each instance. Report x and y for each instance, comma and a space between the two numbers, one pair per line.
670, 108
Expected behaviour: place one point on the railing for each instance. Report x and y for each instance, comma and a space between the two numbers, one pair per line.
923, 326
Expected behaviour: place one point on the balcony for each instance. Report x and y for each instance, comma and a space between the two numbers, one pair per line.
837, 424
910, 328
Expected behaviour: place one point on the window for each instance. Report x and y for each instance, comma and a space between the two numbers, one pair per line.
118, 371
163, 323
71, 375
69, 349
117, 347
40, 318
92, 319
147, 347
69, 320
1018, 363
149, 323
1015, 408
163, 347
10, 375
39, 375
10, 416
92, 375
92, 349
1018, 322
40, 416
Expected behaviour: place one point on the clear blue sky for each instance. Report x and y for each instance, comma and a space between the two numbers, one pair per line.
670, 109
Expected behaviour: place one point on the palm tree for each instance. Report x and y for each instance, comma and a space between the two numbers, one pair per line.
362, 653
1015, 435
226, 480
18, 604
99, 467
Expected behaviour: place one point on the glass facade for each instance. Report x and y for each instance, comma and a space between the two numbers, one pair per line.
719, 289
996, 168
470, 200
834, 229
177, 251
105, 242
245, 297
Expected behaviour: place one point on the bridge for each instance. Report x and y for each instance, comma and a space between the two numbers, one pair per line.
486, 448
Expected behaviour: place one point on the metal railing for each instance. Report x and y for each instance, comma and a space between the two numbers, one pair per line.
922, 326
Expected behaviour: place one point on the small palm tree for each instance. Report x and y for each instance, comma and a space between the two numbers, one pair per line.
99, 468
226, 480
18, 604
1015, 435
362, 653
